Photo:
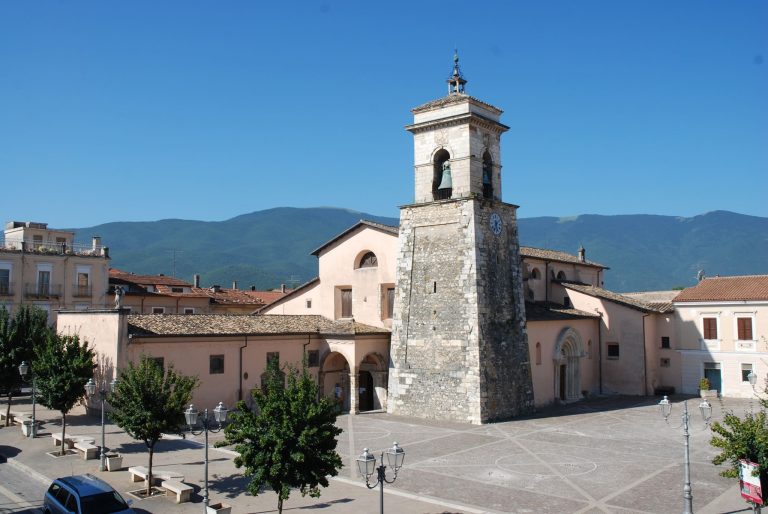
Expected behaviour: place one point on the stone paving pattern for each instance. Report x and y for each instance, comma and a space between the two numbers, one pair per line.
599, 456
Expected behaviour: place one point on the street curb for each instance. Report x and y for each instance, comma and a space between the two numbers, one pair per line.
29, 471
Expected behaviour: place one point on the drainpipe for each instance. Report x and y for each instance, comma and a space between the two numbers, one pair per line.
645, 360
600, 350
240, 372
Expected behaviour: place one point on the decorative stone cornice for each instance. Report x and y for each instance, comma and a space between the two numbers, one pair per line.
459, 119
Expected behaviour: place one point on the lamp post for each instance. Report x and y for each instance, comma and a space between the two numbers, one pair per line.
220, 416
366, 464
24, 370
752, 377
665, 408
90, 388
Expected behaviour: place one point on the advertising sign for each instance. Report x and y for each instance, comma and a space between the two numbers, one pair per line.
751, 488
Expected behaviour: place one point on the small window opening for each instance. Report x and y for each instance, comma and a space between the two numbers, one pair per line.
665, 341
487, 175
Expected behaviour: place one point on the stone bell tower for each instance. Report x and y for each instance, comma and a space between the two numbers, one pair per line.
459, 348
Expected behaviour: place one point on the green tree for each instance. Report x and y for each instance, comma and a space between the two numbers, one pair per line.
149, 401
741, 438
290, 442
62, 367
18, 337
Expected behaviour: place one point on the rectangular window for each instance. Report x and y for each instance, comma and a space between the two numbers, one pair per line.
216, 364
309, 304
346, 303
273, 357
313, 358
744, 326
665, 342
746, 369
390, 302
37, 240
177, 289
613, 350
566, 302
189, 310
5, 281
43, 283
665, 363
710, 328
158, 310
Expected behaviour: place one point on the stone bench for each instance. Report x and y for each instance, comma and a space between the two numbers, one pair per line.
56, 436
12, 415
140, 473
183, 492
89, 450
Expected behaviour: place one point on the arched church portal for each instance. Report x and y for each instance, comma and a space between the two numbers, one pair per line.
569, 349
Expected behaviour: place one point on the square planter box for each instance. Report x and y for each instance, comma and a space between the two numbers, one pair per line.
218, 508
708, 394
114, 462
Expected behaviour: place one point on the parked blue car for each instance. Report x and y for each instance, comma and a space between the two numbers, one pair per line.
83, 494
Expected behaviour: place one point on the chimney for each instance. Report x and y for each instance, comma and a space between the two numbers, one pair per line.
582, 253
96, 244
234, 285
196, 279
253, 288
282, 288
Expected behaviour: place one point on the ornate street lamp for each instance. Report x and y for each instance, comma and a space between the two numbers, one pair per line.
90, 389
24, 370
192, 416
665, 408
366, 465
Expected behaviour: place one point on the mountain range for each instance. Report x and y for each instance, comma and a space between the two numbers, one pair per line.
272, 247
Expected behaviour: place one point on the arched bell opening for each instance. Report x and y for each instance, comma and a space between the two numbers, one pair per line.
442, 182
487, 175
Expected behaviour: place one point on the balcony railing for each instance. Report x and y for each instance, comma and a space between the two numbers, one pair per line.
32, 290
81, 291
6, 288
51, 248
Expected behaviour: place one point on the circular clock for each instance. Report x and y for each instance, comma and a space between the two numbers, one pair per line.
495, 223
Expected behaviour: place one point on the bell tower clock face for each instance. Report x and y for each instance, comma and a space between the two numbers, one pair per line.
495, 223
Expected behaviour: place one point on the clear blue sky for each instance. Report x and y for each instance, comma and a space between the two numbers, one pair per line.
144, 110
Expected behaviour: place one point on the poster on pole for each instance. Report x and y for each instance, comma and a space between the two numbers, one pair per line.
751, 487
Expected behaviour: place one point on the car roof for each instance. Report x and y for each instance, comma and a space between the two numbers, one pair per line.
86, 485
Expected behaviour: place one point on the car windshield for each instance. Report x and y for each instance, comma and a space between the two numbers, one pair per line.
102, 503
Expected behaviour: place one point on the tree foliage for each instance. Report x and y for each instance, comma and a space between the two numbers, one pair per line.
62, 367
18, 337
741, 438
290, 441
149, 401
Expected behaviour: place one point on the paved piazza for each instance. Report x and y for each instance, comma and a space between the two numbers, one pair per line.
613, 455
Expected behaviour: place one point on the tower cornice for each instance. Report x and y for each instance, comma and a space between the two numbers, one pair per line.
458, 119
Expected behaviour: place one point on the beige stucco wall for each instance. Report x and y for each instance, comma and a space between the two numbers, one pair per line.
337, 265
546, 334
544, 289
105, 331
726, 351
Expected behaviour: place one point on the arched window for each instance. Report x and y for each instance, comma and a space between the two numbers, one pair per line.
368, 260
442, 182
561, 275
538, 354
487, 175
535, 274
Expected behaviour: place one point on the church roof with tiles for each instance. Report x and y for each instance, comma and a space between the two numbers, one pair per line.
727, 289
174, 325
604, 294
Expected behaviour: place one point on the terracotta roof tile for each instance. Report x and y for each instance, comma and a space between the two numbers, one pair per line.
155, 325
379, 226
548, 311
741, 288
226, 296
146, 279
599, 292
553, 255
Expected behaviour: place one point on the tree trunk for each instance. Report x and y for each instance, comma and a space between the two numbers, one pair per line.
63, 434
279, 504
8, 409
149, 473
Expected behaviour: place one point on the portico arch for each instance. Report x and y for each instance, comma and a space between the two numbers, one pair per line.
568, 351
372, 382
333, 378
